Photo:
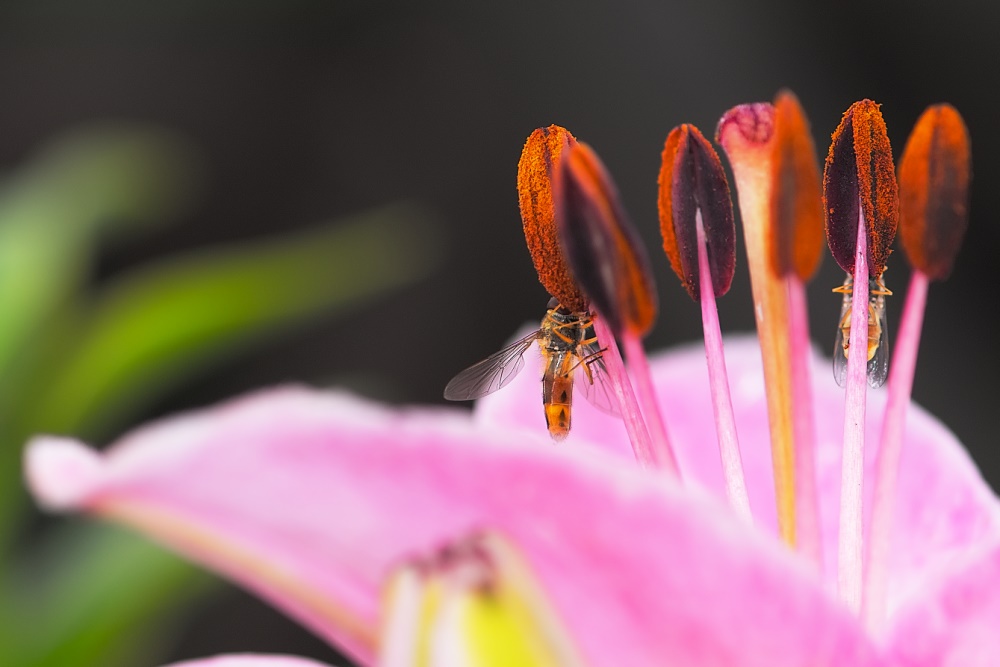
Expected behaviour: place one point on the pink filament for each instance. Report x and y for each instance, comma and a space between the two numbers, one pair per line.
718, 380
904, 362
663, 453
849, 564
635, 425
807, 497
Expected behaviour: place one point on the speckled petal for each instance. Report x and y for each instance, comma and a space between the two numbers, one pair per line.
313, 498
944, 509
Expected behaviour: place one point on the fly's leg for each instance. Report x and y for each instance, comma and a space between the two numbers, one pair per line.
591, 358
880, 288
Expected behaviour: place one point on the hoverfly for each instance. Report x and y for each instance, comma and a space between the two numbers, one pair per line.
571, 354
878, 335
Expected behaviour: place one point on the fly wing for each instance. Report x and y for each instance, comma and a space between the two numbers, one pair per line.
593, 380
490, 374
878, 365
839, 358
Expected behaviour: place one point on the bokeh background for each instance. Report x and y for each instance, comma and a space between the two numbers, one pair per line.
204, 197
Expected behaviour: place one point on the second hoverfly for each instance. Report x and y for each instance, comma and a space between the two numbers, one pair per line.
878, 335
571, 356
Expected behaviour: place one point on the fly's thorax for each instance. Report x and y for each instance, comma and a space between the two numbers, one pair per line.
561, 317
564, 330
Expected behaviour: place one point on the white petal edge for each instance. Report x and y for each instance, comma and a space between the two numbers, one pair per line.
61, 472
250, 660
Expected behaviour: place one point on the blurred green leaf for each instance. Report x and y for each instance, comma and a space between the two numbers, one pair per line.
52, 210
78, 187
161, 324
86, 362
92, 596
104, 597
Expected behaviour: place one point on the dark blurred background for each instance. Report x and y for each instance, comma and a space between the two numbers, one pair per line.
306, 111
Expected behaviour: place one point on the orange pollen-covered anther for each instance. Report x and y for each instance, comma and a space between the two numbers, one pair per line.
859, 168
692, 183
796, 204
934, 175
540, 160
600, 245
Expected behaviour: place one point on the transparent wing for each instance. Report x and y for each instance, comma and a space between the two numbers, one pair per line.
878, 365
490, 374
839, 358
592, 379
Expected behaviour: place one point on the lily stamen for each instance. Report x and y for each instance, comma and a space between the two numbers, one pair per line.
934, 175
693, 185
746, 133
851, 533
722, 402
860, 197
610, 265
797, 229
774, 163
566, 336
635, 424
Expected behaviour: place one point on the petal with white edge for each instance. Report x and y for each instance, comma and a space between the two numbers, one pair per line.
62, 473
312, 499
249, 660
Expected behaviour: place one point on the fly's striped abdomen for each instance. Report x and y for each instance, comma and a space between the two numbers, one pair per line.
557, 393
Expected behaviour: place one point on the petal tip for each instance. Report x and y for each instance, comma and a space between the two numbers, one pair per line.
61, 472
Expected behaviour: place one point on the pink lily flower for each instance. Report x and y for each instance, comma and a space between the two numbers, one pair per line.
317, 500
436, 537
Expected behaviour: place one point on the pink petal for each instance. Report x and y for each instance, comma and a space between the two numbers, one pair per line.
944, 507
311, 499
954, 621
248, 660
